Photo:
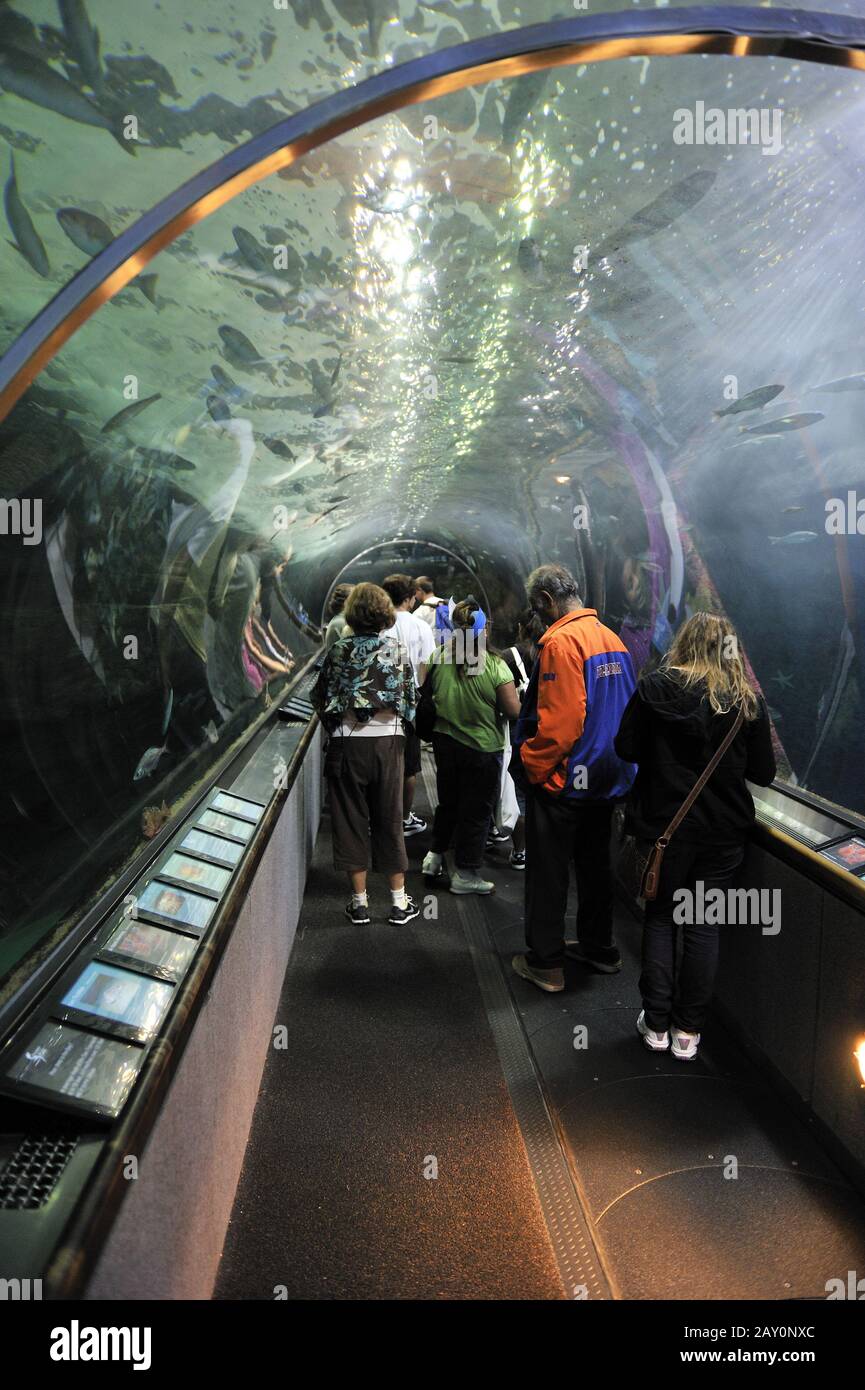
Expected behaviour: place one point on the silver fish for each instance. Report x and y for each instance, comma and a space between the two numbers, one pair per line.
794, 538
784, 424
754, 399
27, 240
128, 413
148, 763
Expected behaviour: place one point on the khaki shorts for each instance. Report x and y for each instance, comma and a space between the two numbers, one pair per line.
364, 779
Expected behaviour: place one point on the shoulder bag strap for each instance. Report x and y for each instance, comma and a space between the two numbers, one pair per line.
701, 781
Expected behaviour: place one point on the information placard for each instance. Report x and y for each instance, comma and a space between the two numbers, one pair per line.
174, 904
163, 950
212, 847
62, 1060
226, 825
237, 806
195, 872
849, 854
107, 991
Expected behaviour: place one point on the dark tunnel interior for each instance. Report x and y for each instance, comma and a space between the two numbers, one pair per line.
591, 313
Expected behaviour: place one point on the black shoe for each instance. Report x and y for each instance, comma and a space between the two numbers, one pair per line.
605, 959
398, 915
358, 915
498, 837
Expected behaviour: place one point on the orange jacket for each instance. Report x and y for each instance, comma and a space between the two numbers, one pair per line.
581, 684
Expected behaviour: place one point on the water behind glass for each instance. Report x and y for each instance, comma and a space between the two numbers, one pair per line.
402, 335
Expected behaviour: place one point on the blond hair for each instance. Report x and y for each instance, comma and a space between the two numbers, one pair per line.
706, 650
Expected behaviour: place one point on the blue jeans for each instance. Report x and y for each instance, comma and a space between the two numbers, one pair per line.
683, 1000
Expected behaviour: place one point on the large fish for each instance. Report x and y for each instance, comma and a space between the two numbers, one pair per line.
91, 235
33, 80
27, 239
252, 253
662, 212
240, 352
753, 401
783, 424
83, 39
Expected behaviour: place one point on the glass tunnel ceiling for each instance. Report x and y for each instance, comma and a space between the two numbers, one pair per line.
430, 354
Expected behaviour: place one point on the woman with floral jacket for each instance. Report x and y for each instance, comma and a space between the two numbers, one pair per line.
364, 696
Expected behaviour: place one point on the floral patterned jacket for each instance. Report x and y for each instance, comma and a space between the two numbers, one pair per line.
363, 674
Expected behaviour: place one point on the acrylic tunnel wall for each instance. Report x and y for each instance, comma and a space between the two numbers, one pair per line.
581, 314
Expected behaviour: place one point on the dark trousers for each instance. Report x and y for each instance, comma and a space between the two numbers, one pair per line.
558, 833
364, 784
682, 1000
467, 783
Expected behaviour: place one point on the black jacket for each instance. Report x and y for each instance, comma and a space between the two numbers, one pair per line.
671, 731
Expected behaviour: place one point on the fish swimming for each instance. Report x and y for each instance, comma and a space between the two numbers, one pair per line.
32, 79
844, 383
753, 401
83, 39
794, 538
148, 763
662, 211
276, 446
523, 96
240, 352
27, 240
783, 424
128, 413
252, 253
91, 235
217, 408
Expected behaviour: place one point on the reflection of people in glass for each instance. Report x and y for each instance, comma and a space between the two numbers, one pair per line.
192, 871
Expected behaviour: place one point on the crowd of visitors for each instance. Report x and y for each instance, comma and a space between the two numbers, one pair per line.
536, 745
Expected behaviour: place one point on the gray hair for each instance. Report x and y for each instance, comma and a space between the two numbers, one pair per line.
556, 580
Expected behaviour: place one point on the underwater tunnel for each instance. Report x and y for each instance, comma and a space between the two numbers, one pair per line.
306, 293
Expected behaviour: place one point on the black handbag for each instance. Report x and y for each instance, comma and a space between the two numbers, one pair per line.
641, 871
425, 714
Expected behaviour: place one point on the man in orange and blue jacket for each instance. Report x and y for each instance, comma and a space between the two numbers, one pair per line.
581, 683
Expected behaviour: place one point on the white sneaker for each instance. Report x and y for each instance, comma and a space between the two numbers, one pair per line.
684, 1045
655, 1042
433, 865
466, 881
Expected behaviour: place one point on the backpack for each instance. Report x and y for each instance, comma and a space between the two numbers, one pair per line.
443, 626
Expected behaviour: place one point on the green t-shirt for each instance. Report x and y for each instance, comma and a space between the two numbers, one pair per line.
466, 704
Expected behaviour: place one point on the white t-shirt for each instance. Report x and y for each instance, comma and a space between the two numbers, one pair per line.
414, 640
426, 611
385, 723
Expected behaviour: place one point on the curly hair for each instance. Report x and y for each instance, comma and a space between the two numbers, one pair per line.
368, 610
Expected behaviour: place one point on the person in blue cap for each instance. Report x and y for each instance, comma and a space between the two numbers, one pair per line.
474, 698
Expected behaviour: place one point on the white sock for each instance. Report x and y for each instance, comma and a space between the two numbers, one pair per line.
359, 900
398, 897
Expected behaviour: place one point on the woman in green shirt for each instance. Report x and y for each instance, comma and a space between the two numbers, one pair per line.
474, 697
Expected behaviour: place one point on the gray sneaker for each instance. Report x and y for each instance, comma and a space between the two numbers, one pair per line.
553, 981
467, 881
